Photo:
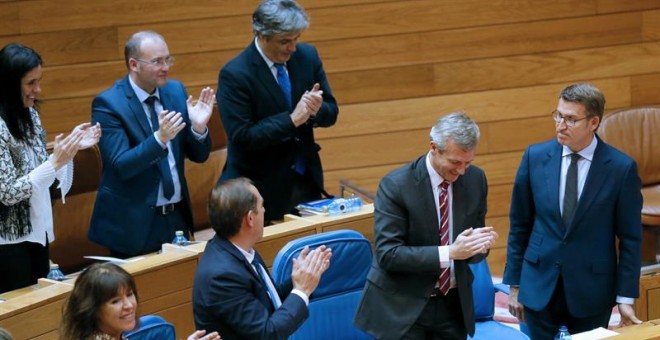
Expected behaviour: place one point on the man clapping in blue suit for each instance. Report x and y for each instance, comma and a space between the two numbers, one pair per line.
149, 125
573, 199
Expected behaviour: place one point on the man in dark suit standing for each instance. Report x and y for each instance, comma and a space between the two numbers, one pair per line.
149, 125
233, 293
429, 223
573, 199
271, 97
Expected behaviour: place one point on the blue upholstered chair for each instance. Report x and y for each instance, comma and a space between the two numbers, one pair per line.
152, 327
333, 303
483, 292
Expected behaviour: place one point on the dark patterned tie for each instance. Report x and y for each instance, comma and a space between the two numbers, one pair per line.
163, 164
443, 281
570, 193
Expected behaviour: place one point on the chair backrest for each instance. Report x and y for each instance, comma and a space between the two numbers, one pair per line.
152, 327
636, 132
333, 303
483, 291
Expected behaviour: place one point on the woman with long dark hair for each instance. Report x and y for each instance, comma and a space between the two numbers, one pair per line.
103, 305
27, 171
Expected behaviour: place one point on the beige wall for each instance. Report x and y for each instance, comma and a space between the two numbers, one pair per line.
395, 67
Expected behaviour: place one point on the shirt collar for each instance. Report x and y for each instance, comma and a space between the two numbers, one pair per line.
140, 93
435, 177
249, 256
586, 153
269, 62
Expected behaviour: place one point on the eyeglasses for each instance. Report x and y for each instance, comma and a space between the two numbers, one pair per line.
159, 62
570, 122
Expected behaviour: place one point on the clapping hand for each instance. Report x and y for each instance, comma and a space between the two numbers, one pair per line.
200, 335
91, 135
308, 268
200, 111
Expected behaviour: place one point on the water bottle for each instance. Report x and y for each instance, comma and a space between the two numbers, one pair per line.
179, 239
563, 334
345, 205
55, 273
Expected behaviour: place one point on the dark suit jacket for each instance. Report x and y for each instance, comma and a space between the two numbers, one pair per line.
585, 254
406, 236
123, 211
228, 297
263, 142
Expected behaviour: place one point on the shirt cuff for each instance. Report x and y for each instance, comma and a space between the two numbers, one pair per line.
198, 136
302, 295
65, 178
625, 300
445, 262
162, 145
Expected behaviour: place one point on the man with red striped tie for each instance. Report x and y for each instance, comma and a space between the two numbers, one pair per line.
429, 222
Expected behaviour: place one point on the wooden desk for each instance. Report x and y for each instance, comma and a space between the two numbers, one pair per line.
647, 307
647, 330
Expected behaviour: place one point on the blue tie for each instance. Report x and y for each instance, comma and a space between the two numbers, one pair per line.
284, 82
163, 164
263, 276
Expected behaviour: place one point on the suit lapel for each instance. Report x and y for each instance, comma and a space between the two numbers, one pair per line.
551, 176
265, 76
458, 210
427, 200
136, 107
166, 101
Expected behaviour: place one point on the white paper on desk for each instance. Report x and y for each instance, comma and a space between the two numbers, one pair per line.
598, 333
113, 259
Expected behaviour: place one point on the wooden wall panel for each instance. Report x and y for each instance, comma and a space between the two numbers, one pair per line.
9, 23
610, 6
645, 89
479, 42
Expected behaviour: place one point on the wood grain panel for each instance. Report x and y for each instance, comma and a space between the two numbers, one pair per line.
645, 89
514, 135
384, 51
651, 25
55, 15
486, 106
609, 6
414, 16
72, 46
9, 23
496, 261
499, 200
501, 226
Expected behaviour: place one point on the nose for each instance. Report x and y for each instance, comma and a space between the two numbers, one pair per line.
291, 47
37, 88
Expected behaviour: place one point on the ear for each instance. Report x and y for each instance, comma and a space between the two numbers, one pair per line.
133, 65
249, 218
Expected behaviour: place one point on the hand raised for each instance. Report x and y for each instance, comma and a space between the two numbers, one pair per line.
199, 335
91, 135
200, 111
170, 124
65, 148
308, 268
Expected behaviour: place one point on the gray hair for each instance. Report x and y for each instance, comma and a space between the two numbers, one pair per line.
275, 17
588, 96
457, 127
133, 46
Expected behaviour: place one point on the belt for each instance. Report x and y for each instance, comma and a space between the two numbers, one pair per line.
166, 209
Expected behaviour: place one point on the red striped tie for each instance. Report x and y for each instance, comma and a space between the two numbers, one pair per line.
443, 281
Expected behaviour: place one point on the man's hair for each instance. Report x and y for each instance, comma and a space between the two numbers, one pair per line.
133, 47
275, 17
586, 94
95, 286
457, 127
228, 204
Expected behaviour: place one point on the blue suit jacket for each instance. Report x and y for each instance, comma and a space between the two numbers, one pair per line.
406, 238
584, 253
123, 211
228, 297
262, 140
